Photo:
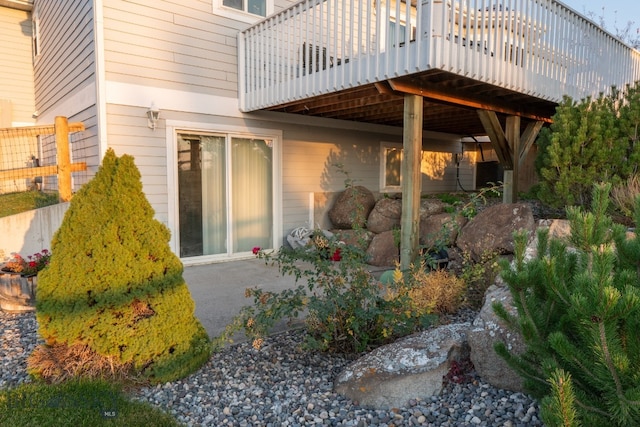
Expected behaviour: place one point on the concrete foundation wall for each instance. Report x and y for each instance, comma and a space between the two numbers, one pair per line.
29, 232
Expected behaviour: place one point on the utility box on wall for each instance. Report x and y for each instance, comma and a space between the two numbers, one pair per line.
488, 172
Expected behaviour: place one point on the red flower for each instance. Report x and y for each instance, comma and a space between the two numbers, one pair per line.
336, 255
256, 250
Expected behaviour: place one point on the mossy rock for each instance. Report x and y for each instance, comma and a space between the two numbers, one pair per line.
114, 284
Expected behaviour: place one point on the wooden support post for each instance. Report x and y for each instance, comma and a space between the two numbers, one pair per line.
411, 180
512, 133
63, 158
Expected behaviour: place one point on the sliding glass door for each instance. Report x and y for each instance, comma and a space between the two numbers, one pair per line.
225, 194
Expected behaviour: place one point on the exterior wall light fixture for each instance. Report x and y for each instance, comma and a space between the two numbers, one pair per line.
152, 117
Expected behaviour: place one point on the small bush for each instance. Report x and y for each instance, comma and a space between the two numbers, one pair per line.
114, 286
430, 292
346, 308
624, 194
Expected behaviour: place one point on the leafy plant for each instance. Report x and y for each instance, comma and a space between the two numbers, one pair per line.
578, 310
345, 307
430, 291
624, 194
30, 266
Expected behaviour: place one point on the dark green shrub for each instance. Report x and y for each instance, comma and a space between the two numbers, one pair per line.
114, 286
593, 140
578, 310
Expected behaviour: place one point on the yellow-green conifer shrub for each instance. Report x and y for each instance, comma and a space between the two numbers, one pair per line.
114, 285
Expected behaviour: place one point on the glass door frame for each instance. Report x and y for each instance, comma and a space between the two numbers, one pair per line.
173, 218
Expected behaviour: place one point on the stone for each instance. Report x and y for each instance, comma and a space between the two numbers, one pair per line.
440, 230
358, 238
491, 231
430, 207
352, 208
385, 215
487, 329
383, 251
413, 367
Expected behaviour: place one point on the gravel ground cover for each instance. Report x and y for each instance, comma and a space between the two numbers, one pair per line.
282, 385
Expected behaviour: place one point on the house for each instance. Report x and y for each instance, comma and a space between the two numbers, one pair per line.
245, 117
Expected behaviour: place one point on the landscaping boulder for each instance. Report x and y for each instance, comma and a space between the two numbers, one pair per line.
383, 250
385, 215
491, 231
352, 207
357, 238
430, 207
410, 368
440, 230
487, 329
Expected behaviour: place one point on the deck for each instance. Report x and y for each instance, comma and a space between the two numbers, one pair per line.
350, 59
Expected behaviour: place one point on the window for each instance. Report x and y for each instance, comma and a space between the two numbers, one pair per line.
390, 167
256, 7
35, 34
249, 11
438, 169
402, 33
225, 193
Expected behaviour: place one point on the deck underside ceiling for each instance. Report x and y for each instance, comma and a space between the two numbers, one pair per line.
450, 103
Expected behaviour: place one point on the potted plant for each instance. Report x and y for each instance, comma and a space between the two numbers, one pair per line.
18, 281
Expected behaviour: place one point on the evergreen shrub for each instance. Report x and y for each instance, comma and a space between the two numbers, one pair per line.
114, 286
578, 310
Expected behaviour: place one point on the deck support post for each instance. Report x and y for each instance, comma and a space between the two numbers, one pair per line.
411, 179
510, 146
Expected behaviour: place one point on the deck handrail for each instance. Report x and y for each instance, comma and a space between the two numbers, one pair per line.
541, 48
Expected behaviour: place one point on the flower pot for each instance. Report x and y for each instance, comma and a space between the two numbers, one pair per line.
17, 292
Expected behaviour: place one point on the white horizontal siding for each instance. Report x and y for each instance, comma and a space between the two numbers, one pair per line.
67, 60
171, 45
16, 67
128, 134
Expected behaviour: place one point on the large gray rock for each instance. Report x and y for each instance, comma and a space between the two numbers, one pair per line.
383, 251
488, 329
440, 229
385, 215
351, 208
410, 368
491, 231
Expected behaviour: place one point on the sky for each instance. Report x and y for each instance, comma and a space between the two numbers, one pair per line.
616, 13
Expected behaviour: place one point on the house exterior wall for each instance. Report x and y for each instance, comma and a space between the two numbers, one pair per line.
181, 59
17, 98
65, 76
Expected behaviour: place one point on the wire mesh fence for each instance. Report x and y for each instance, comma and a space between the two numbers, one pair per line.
39, 158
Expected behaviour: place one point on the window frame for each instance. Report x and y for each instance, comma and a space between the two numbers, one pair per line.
384, 188
241, 15
173, 127
36, 46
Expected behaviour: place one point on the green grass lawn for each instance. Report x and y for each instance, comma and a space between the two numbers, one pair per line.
13, 203
76, 404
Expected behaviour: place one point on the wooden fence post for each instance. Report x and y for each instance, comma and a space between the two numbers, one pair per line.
63, 158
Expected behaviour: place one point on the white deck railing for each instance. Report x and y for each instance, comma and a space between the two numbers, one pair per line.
536, 47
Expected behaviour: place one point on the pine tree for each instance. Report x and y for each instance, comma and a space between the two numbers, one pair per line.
114, 287
593, 140
578, 310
